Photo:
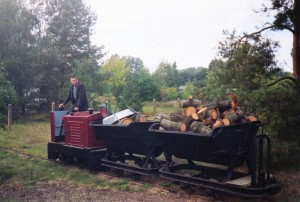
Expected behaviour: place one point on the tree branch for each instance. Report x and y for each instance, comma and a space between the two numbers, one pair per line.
281, 79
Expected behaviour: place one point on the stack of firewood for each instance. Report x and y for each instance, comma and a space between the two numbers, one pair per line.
202, 117
134, 118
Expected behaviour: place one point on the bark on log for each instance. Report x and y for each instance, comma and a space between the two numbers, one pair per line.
225, 113
198, 127
214, 114
139, 118
203, 114
171, 125
251, 118
208, 122
180, 118
191, 102
224, 105
235, 117
218, 123
161, 116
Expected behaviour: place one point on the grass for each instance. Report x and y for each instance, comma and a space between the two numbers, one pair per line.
161, 107
17, 169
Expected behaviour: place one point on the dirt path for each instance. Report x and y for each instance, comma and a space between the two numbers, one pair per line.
62, 191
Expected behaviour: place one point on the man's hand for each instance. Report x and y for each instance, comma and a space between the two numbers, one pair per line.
76, 109
61, 105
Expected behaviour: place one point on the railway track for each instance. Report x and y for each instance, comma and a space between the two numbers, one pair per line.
116, 174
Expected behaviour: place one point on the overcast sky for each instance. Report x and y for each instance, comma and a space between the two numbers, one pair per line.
182, 31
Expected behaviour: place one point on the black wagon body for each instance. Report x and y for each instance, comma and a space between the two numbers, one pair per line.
130, 142
216, 157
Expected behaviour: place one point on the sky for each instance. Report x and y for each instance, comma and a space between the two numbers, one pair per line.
183, 31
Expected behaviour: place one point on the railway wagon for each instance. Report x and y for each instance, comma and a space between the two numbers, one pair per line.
215, 162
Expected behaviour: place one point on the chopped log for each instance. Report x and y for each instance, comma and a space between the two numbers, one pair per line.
189, 111
226, 122
198, 127
171, 125
218, 123
224, 105
126, 121
161, 128
180, 118
142, 118
139, 118
161, 116
194, 116
226, 113
251, 118
208, 122
234, 103
235, 117
214, 114
203, 114
191, 102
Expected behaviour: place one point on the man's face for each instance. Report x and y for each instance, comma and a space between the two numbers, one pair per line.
74, 81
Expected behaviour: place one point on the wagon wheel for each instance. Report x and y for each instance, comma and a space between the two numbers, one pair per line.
117, 172
137, 176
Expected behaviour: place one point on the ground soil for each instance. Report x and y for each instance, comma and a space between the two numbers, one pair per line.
63, 191
60, 190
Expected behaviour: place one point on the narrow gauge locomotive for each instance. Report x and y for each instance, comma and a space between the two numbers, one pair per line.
215, 162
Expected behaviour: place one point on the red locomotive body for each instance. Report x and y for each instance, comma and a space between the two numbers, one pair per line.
74, 140
79, 133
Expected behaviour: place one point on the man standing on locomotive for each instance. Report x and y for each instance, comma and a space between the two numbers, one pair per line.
77, 96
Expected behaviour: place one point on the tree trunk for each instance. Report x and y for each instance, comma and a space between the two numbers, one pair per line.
296, 41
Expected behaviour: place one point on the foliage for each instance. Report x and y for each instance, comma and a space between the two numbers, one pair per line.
7, 91
67, 37
42, 44
169, 93
17, 41
285, 14
140, 85
191, 74
7, 95
113, 74
166, 75
189, 89
247, 70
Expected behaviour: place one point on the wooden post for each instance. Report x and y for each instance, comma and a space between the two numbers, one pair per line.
9, 117
91, 104
154, 105
53, 106
179, 104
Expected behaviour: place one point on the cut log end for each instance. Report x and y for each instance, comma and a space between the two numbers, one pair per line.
171, 125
